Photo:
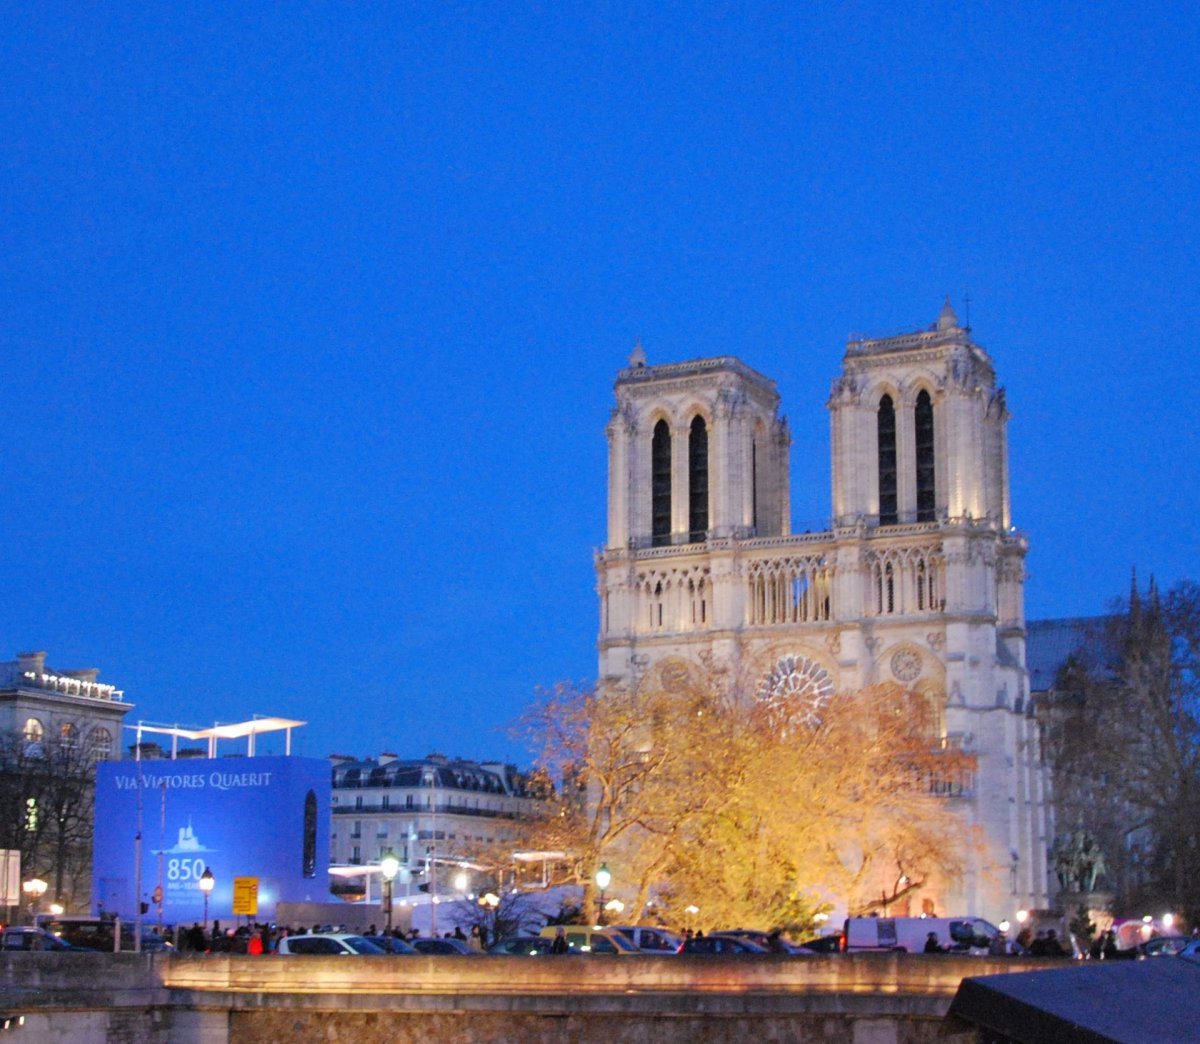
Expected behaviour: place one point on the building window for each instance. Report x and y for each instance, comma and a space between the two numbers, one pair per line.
698, 481
888, 514
100, 743
68, 735
754, 484
926, 495
660, 485
387, 802
34, 730
308, 861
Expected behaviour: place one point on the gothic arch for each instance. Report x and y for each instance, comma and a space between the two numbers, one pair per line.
921, 675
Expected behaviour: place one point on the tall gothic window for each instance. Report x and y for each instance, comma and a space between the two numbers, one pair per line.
888, 515
925, 472
660, 485
698, 481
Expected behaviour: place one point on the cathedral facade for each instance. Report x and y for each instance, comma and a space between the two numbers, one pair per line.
918, 580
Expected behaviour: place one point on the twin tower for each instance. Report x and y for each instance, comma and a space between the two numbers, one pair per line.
918, 580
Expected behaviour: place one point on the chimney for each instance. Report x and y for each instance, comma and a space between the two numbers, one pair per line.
31, 661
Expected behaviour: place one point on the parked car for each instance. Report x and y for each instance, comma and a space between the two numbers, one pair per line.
392, 944
651, 938
824, 944
1191, 951
38, 939
772, 942
522, 946
719, 943
1162, 946
582, 938
442, 947
96, 933
330, 944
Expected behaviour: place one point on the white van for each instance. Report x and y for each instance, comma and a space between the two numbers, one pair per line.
908, 934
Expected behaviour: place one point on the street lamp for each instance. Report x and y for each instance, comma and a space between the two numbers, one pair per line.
34, 888
389, 866
603, 880
206, 884
461, 881
431, 782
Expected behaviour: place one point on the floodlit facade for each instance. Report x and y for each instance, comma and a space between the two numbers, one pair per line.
430, 813
918, 580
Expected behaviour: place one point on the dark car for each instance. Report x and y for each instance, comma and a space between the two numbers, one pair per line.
1162, 946
37, 939
824, 944
391, 944
96, 933
442, 947
718, 943
522, 946
772, 942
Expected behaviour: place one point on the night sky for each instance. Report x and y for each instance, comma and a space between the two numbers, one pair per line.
310, 314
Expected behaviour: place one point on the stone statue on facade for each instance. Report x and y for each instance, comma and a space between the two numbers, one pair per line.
1078, 861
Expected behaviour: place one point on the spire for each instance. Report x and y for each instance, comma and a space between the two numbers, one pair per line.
637, 358
947, 320
1135, 606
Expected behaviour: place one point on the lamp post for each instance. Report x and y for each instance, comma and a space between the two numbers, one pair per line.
389, 866
603, 880
489, 902
206, 884
34, 888
431, 780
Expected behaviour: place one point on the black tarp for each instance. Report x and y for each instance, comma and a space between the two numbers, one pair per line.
1091, 1002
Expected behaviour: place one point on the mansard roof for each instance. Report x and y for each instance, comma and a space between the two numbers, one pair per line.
434, 771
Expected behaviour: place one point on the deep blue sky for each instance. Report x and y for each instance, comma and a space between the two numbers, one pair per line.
309, 314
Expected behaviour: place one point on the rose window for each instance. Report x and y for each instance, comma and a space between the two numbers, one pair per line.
797, 683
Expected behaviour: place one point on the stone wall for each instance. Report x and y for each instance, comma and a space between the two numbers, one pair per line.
193, 999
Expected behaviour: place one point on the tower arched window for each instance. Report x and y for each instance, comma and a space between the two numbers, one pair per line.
888, 512
660, 485
698, 481
926, 495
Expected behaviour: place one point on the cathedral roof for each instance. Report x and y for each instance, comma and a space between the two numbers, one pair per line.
1050, 643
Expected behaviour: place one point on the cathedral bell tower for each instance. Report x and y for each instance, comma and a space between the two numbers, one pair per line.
696, 451
918, 431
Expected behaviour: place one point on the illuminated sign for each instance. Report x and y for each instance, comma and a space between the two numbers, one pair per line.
245, 896
263, 818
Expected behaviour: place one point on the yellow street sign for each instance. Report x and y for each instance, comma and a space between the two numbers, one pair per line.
245, 896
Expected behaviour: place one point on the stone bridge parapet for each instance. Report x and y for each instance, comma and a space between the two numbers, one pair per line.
192, 999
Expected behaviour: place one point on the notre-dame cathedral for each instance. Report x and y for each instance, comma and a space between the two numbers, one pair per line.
918, 580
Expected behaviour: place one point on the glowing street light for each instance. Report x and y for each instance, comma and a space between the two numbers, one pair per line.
206, 884
603, 880
461, 881
34, 888
389, 866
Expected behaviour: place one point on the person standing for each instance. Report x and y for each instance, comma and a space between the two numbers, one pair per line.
560, 941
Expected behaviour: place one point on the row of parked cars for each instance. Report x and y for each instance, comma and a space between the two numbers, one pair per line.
618, 941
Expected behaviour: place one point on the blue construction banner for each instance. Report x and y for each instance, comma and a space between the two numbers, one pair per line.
263, 817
